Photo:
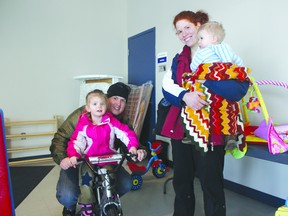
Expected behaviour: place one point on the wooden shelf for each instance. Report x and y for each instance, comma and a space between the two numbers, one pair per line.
50, 126
24, 136
27, 148
30, 161
36, 122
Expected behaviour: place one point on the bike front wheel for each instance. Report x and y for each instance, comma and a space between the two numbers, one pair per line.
111, 210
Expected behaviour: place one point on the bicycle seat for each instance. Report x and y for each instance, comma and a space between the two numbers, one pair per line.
136, 169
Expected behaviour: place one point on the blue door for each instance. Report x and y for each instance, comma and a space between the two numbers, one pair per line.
141, 68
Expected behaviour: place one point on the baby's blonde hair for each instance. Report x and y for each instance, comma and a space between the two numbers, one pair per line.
215, 29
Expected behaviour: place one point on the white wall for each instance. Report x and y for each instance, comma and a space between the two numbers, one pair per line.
255, 29
45, 43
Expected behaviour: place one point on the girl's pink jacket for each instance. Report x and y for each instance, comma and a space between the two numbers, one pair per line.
95, 140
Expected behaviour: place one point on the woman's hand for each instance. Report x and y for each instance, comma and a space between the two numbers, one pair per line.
194, 100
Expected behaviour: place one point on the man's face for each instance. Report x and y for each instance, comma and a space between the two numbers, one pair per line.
116, 105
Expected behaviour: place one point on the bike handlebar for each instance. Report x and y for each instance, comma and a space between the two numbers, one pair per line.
107, 158
119, 158
153, 150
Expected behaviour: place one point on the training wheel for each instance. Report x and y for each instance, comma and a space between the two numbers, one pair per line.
136, 181
159, 171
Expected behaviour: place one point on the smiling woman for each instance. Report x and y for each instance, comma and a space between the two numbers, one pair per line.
187, 156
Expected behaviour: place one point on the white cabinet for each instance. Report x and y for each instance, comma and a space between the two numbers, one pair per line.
91, 82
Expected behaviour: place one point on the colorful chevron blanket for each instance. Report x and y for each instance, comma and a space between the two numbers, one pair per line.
220, 117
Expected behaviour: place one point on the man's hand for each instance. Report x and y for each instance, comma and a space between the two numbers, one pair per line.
67, 162
73, 161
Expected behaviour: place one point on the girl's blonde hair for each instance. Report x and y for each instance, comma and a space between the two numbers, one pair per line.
215, 29
96, 92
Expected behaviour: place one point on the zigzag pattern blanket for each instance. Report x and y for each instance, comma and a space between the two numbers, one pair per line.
221, 117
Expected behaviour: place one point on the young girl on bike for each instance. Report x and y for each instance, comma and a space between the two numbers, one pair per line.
94, 136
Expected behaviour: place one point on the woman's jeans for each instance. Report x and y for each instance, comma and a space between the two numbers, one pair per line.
68, 186
189, 163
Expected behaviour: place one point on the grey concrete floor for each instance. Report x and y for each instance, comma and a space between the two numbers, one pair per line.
149, 200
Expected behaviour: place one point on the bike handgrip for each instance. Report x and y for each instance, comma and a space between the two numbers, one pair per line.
80, 160
130, 156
